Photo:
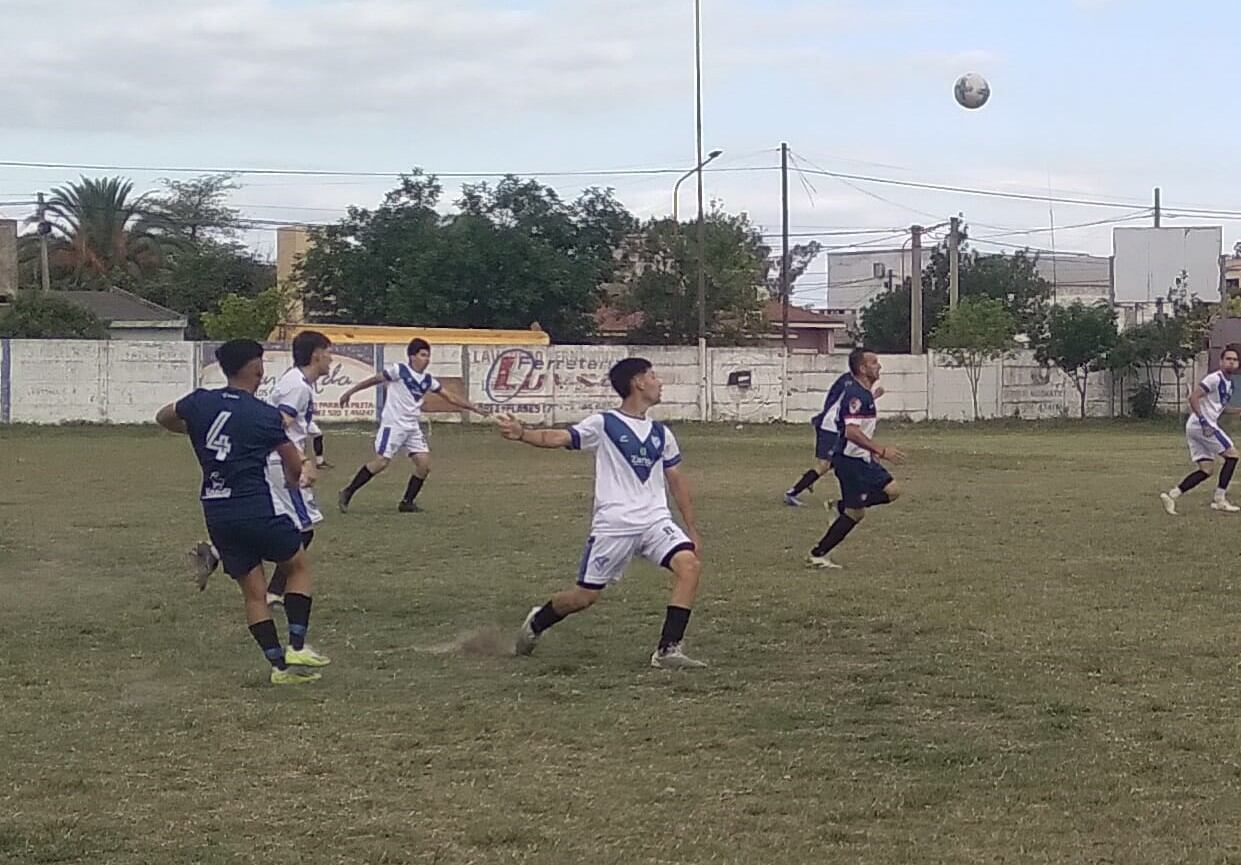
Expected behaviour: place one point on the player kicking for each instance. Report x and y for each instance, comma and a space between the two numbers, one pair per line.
1206, 440
863, 482
399, 430
293, 397
637, 462
824, 424
233, 434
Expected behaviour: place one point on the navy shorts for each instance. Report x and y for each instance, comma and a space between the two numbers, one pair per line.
824, 443
859, 480
243, 546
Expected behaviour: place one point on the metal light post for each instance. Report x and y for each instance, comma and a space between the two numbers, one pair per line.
676, 189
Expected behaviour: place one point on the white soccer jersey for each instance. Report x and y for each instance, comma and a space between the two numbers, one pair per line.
406, 391
631, 455
295, 398
1216, 394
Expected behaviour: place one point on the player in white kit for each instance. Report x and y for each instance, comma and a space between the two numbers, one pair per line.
399, 429
293, 396
1206, 439
637, 463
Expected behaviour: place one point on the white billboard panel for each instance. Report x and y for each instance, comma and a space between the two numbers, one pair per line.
1148, 262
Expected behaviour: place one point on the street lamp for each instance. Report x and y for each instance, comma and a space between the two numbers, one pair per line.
676, 197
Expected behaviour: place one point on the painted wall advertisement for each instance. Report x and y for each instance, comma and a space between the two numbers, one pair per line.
553, 384
350, 364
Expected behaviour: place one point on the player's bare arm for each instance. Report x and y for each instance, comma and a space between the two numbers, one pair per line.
463, 404
678, 487
168, 418
376, 379
893, 455
512, 429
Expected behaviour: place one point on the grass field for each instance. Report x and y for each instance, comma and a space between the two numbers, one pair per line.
1025, 661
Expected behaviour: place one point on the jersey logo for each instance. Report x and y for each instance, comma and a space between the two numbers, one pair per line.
215, 489
641, 456
855, 405
418, 389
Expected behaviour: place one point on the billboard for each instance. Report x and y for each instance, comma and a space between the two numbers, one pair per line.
1150, 261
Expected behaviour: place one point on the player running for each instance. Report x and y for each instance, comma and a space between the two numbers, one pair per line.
864, 483
824, 424
1206, 440
233, 434
637, 462
399, 430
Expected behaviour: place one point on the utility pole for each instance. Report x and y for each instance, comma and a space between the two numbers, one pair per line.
702, 225
784, 258
954, 262
1158, 209
915, 291
45, 229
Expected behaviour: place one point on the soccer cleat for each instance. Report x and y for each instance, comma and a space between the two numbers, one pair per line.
294, 676
409, 508
274, 600
526, 637
323, 464
672, 658
305, 657
342, 501
823, 561
1225, 506
1169, 503
792, 501
203, 562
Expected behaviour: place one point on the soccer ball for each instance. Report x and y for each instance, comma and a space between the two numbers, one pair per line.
972, 90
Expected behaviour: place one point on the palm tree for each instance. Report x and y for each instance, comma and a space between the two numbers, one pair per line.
102, 233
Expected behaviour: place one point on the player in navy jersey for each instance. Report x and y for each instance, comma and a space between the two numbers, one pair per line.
824, 424
863, 482
233, 433
408, 385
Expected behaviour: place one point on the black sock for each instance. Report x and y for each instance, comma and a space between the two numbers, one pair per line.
835, 534
412, 488
265, 635
675, 620
317, 444
1225, 474
297, 609
545, 618
806, 482
275, 586
1192, 480
361, 479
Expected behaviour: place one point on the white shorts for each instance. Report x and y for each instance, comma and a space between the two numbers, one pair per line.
313, 429
300, 504
391, 440
1205, 444
606, 556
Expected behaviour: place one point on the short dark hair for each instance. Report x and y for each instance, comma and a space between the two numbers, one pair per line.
624, 372
416, 345
1234, 347
855, 358
236, 353
305, 344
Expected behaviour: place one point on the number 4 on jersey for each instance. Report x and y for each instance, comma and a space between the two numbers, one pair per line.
216, 440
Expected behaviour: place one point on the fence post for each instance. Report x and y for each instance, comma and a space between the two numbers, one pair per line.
6, 371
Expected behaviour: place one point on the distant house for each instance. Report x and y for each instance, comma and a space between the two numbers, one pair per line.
128, 316
809, 330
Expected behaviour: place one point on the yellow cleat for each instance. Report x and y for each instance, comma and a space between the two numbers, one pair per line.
305, 657
294, 676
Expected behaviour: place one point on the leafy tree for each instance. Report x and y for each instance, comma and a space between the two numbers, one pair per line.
35, 315
194, 280
1013, 280
247, 317
197, 209
102, 234
801, 256
979, 330
665, 290
1077, 340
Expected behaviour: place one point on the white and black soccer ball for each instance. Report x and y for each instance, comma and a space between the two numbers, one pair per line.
972, 91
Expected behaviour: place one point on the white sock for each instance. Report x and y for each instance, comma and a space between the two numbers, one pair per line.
1174, 493
1220, 494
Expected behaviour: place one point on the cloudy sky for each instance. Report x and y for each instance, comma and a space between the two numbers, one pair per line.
1092, 99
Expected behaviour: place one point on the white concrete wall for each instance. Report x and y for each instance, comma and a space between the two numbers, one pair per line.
51, 381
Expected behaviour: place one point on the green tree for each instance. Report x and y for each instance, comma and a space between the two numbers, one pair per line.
513, 254
35, 315
195, 279
979, 330
247, 317
1078, 339
1013, 280
197, 209
665, 289
102, 234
